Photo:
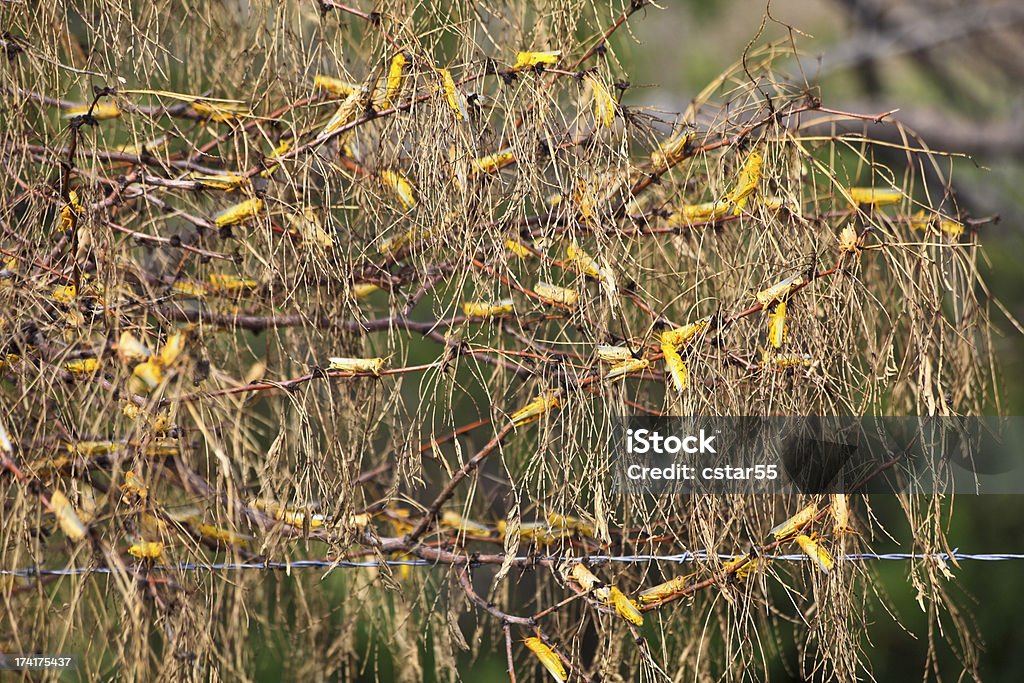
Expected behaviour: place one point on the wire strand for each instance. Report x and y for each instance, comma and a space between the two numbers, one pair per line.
27, 572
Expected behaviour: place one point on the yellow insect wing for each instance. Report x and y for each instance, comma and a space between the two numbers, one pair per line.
361, 290
67, 517
625, 607
682, 335
548, 658
101, 112
172, 349
627, 367
395, 79
400, 186
796, 522
239, 212
777, 325
818, 554
518, 248
604, 103
493, 162
676, 367
147, 550
874, 196
145, 377
373, 365
82, 366
334, 86
535, 408
481, 309
674, 586
555, 294
526, 60
780, 290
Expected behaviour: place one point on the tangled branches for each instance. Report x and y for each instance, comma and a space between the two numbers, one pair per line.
359, 285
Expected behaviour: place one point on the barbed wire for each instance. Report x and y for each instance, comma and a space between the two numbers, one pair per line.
956, 555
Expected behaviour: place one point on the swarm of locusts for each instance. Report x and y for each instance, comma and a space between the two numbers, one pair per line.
287, 282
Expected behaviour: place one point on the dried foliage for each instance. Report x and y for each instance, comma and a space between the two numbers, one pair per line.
283, 281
